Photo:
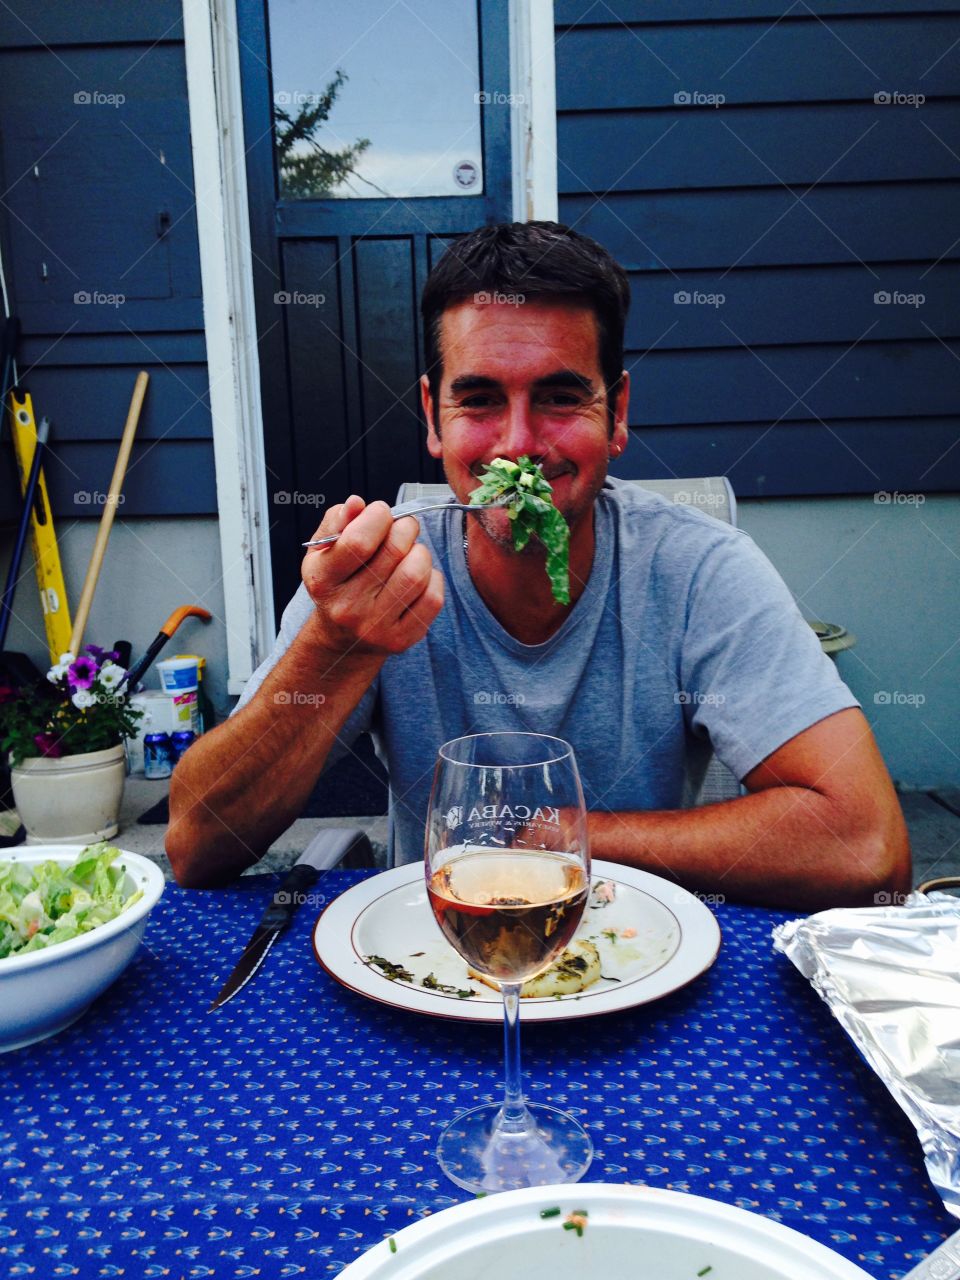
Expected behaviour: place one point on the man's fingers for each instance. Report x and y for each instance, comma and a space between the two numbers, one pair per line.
362, 539
398, 544
429, 603
337, 518
328, 567
412, 609
407, 581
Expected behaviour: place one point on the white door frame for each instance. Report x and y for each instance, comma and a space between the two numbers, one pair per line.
533, 84
226, 269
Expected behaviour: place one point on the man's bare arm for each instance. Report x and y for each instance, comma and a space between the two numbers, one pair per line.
822, 827
241, 785
376, 592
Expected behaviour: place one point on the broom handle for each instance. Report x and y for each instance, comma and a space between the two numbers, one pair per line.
106, 520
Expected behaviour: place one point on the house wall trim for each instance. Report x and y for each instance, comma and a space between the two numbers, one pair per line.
216, 129
533, 80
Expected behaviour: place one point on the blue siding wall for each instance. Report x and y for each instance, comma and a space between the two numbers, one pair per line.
779, 202
100, 249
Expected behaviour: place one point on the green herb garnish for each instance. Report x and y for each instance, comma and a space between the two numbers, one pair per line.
550, 1213
704, 1271
392, 1243
520, 486
395, 972
432, 984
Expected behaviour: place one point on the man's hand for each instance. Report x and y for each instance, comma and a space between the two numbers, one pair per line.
375, 589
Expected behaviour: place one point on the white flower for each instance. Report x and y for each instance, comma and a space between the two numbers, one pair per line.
59, 670
83, 698
111, 675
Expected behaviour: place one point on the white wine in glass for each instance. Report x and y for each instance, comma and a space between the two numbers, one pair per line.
508, 874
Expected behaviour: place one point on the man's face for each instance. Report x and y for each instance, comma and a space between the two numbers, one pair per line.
520, 380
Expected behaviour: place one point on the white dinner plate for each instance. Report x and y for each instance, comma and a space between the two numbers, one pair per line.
653, 938
631, 1233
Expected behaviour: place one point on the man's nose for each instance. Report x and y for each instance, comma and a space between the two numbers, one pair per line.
519, 436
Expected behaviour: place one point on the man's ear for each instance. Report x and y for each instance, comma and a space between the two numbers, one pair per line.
621, 434
434, 447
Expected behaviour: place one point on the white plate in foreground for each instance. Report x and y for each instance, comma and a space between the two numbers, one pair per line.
632, 1233
674, 939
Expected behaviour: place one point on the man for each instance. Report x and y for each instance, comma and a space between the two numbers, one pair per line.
679, 636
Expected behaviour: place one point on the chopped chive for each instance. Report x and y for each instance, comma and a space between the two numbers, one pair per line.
550, 1213
704, 1271
569, 1226
393, 1245
581, 1213
579, 1229
478, 1195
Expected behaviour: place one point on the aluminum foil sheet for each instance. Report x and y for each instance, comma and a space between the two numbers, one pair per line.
891, 975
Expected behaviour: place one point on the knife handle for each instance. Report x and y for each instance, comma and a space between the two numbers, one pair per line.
289, 896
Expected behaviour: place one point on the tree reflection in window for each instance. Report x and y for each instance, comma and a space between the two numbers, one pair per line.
308, 170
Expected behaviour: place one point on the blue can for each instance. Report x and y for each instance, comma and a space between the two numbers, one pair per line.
180, 740
157, 756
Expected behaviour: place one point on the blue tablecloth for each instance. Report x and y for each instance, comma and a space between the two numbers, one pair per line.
285, 1133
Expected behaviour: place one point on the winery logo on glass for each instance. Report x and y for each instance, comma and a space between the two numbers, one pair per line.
509, 815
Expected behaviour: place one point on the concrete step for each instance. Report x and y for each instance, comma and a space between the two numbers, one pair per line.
934, 836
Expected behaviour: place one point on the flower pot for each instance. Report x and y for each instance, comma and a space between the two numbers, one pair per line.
70, 799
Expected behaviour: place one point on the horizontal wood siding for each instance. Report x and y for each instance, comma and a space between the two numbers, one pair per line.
791, 241
100, 251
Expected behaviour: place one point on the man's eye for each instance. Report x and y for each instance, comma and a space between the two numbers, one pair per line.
562, 399
476, 402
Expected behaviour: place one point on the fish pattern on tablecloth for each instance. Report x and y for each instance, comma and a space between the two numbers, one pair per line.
289, 1131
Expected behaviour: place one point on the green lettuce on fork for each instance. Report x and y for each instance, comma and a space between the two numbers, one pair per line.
48, 902
520, 486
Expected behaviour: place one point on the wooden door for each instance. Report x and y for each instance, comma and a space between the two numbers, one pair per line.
375, 132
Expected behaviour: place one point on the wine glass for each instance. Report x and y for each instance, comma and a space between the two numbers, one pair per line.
508, 874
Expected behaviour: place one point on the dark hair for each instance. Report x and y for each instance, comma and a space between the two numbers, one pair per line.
542, 261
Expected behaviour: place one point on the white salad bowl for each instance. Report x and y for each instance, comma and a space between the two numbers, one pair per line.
638, 1233
42, 992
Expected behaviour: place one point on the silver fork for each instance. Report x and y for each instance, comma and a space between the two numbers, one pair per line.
413, 508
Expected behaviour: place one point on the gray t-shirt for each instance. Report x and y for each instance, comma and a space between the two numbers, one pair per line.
685, 639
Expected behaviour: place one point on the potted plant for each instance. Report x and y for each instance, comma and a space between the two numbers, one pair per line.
65, 746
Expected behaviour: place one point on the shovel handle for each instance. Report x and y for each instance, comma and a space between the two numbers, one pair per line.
106, 521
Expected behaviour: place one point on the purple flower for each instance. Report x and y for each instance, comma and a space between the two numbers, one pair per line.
82, 673
95, 650
48, 744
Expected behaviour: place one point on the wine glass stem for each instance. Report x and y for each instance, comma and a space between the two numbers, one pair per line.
514, 1114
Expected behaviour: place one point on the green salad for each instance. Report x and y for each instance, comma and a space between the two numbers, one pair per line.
528, 498
44, 903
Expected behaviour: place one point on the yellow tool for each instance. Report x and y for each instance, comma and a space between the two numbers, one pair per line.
46, 555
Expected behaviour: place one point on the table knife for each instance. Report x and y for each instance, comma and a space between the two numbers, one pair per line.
323, 852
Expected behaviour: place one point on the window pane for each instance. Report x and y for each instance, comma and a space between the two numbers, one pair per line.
375, 98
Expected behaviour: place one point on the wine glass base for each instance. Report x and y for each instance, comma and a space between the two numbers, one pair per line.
479, 1153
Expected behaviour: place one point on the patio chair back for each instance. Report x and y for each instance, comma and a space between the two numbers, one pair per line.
711, 494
